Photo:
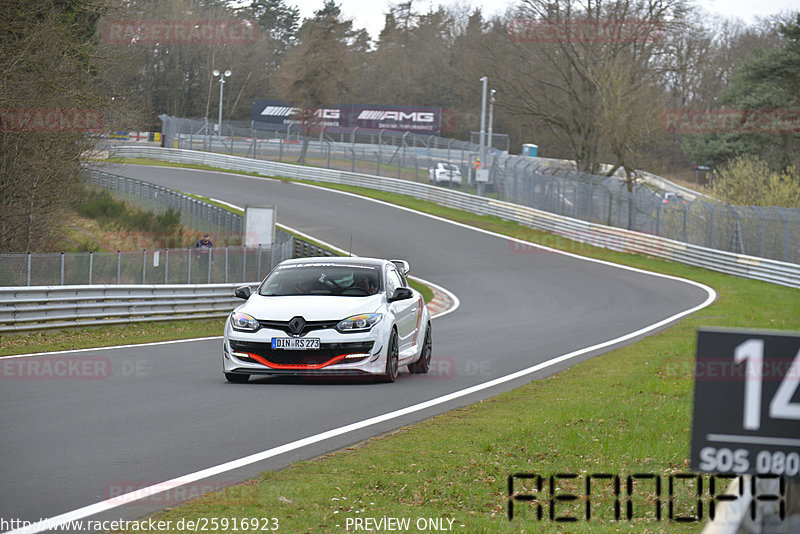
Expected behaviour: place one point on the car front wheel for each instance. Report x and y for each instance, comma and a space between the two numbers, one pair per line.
392, 358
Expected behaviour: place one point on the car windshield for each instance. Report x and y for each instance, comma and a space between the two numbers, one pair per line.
448, 166
322, 278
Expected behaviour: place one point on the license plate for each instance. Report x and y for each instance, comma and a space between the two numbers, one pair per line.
295, 343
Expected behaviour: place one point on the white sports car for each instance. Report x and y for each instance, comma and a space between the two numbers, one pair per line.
329, 316
444, 173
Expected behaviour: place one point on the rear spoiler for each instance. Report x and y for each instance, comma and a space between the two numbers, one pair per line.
402, 266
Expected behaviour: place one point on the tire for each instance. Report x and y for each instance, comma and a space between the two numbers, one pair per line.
421, 366
237, 378
392, 358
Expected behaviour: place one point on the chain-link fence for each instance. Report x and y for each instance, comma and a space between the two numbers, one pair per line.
166, 266
550, 185
194, 213
769, 232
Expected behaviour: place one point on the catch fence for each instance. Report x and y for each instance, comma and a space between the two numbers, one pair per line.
545, 184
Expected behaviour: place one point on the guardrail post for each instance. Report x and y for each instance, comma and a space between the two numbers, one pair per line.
28, 278
189, 266
119, 261
226, 264
144, 266
91, 260
62, 269
244, 263
166, 265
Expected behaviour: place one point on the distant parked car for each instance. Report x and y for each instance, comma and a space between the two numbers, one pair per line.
674, 198
444, 173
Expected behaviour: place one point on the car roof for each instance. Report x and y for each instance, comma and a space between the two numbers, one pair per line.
345, 260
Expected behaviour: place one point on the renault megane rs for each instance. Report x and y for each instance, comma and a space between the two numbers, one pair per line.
329, 316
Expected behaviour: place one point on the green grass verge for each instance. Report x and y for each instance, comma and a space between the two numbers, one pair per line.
627, 411
107, 336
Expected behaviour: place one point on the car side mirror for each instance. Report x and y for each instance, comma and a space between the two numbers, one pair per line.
243, 292
401, 293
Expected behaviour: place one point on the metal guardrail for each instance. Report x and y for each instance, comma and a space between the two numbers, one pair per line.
34, 308
25, 308
304, 249
764, 269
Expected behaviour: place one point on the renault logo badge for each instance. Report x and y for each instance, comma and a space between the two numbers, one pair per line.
296, 326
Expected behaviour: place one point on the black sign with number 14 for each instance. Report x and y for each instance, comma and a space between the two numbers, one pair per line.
747, 403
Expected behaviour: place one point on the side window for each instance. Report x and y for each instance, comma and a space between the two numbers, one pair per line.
393, 281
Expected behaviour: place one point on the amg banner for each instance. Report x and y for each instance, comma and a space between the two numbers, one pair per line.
414, 119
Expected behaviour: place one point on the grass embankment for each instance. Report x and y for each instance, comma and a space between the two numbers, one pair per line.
101, 223
107, 336
627, 411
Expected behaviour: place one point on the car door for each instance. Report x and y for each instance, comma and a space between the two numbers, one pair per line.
404, 311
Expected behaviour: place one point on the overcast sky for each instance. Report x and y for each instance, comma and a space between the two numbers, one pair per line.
369, 14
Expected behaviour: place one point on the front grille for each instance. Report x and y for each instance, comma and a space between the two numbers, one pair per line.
327, 352
283, 326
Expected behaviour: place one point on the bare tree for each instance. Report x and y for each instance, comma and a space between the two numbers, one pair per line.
558, 51
46, 61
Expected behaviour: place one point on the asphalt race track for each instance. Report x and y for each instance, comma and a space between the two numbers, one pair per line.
162, 411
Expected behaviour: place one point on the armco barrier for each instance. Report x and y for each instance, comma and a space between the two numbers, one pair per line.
767, 270
41, 307
33, 308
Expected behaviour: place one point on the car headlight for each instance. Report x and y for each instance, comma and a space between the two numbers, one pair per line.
359, 323
243, 322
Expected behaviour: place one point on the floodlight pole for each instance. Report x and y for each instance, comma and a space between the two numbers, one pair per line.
222, 76
489, 143
482, 142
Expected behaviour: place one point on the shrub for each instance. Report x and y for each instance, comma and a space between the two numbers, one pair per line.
748, 180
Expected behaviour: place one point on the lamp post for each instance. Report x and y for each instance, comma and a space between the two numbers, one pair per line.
482, 142
491, 110
222, 76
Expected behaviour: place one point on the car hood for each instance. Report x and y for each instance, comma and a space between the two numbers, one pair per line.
309, 307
